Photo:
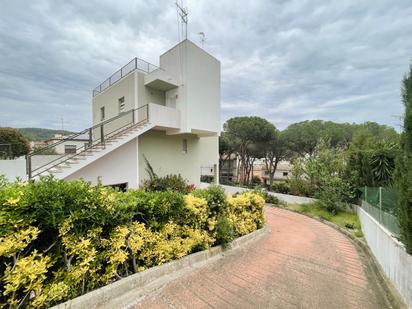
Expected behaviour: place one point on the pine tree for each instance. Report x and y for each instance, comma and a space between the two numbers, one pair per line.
403, 175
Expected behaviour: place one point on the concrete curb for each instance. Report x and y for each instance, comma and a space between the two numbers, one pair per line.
130, 290
389, 292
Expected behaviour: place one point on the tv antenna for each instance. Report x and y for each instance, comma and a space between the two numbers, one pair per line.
183, 12
202, 38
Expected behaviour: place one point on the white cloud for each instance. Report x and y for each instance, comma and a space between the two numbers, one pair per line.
285, 61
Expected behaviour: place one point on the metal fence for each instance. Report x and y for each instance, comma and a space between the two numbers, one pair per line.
134, 64
381, 204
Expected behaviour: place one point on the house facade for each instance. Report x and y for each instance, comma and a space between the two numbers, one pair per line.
168, 114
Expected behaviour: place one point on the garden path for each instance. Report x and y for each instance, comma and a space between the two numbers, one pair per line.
302, 263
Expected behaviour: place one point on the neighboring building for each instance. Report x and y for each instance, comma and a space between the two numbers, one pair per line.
170, 115
67, 144
282, 173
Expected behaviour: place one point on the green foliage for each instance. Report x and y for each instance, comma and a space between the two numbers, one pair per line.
41, 151
207, 178
247, 135
323, 175
256, 180
168, 182
224, 231
371, 158
303, 137
269, 198
403, 173
281, 187
343, 219
40, 134
62, 239
12, 143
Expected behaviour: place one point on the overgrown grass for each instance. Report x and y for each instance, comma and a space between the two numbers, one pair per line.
346, 220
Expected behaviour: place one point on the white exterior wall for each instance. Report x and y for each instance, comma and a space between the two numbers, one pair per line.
203, 90
109, 98
165, 154
390, 253
13, 169
119, 166
199, 91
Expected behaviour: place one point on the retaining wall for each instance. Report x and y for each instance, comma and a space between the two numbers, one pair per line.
128, 291
287, 198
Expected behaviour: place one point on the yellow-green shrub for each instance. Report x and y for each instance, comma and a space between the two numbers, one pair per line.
60, 239
246, 212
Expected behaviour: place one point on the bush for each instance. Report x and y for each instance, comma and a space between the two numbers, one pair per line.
281, 187
207, 178
270, 199
60, 239
169, 182
224, 231
245, 211
256, 180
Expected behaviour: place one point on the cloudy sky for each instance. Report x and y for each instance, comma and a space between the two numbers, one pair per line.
284, 60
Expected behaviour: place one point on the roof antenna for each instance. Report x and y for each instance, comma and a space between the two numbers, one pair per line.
202, 38
183, 12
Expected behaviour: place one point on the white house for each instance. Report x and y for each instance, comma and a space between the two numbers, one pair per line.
69, 145
169, 114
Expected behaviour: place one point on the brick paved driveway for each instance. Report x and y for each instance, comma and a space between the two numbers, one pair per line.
301, 264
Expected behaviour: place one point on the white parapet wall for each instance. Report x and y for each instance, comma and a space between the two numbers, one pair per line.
13, 169
390, 254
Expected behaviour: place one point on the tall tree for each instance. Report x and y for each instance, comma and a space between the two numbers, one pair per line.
275, 150
403, 174
244, 132
226, 150
12, 143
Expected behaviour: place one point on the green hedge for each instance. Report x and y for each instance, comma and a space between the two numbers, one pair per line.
60, 239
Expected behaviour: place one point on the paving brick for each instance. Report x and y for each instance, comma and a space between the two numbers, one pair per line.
301, 264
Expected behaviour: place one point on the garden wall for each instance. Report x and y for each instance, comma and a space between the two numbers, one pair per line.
287, 198
390, 253
13, 169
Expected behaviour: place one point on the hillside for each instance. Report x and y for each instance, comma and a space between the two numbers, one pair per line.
38, 134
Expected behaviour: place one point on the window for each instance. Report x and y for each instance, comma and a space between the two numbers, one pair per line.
102, 116
285, 174
69, 149
122, 105
184, 145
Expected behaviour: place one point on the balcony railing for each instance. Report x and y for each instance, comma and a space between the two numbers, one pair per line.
134, 64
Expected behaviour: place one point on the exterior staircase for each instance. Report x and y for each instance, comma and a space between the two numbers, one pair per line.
103, 138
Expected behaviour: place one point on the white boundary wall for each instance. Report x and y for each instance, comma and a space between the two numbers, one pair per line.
390, 253
287, 198
13, 169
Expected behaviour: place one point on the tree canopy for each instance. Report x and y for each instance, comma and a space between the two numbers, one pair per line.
403, 173
12, 143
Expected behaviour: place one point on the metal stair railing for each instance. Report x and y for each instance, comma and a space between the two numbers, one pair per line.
97, 136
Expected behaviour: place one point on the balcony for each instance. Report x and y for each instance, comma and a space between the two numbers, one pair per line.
133, 65
159, 79
163, 117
